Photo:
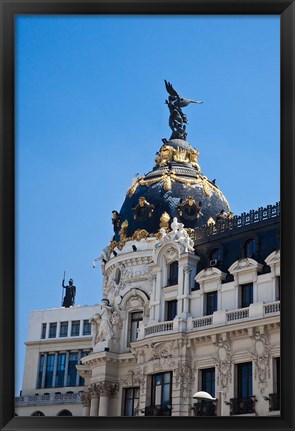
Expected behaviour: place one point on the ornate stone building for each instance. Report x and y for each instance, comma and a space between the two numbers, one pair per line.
191, 297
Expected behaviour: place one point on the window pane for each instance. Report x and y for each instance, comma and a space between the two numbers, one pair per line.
86, 327
72, 370
75, 328
43, 334
52, 330
63, 329
49, 371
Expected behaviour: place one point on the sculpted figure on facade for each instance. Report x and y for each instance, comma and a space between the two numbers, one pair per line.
177, 234
101, 325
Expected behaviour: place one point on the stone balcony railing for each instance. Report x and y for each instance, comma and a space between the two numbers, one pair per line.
219, 318
45, 399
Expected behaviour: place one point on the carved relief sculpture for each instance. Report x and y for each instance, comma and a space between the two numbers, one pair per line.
261, 354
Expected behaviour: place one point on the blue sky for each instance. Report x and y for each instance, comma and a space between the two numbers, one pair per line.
90, 114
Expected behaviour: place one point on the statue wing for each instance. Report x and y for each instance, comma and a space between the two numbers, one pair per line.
170, 89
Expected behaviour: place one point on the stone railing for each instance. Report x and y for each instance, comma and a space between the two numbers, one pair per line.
242, 313
237, 222
52, 398
274, 307
159, 327
200, 322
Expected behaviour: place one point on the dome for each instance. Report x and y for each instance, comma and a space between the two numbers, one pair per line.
174, 188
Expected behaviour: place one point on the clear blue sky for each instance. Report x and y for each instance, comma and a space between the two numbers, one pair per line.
90, 114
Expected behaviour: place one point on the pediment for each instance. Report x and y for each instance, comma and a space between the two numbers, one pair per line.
274, 257
244, 264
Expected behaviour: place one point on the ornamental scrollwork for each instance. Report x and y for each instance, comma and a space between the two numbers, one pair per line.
261, 354
223, 360
184, 378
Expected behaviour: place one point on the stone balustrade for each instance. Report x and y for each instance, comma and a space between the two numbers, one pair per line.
159, 327
45, 399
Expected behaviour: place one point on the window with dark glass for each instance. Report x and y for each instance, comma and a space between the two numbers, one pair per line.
246, 295
43, 332
171, 309
81, 379
208, 381
215, 254
60, 370
75, 328
38, 413
277, 375
131, 401
161, 392
86, 327
63, 332
52, 330
173, 274
135, 318
211, 303
40, 371
65, 413
49, 370
278, 288
244, 374
72, 370
250, 247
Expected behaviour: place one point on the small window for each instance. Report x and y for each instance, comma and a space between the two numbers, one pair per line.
246, 295
86, 327
244, 374
208, 381
211, 302
135, 318
171, 309
250, 247
52, 330
63, 332
131, 401
215, 254
75, 328
173, 274
43, 332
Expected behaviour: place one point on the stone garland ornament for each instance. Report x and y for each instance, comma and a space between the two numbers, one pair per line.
223, 360
261, 354
184, 378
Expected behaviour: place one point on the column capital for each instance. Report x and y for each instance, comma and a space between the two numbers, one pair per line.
85, 398
107, 389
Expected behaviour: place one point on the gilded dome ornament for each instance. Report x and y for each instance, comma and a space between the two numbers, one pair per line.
189, 209
143, 209
164, 220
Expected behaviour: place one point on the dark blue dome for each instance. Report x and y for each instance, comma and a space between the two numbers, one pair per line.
174, 188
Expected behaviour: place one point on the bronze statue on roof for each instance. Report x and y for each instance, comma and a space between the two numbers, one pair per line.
177, 119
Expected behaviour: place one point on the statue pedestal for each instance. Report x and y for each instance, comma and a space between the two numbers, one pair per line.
101, 346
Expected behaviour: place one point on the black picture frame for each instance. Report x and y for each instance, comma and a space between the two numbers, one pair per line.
286, 10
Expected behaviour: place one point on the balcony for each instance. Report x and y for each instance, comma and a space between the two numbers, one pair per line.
242, 406
205, 408
47, 399
274, 402
159, 410
159, 327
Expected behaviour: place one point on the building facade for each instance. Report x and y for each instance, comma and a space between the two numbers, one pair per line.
191, 302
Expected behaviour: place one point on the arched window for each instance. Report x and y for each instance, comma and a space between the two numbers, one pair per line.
38, 413
65, 413
250, 247
173, 274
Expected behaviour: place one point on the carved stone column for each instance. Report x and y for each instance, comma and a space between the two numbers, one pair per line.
94, 393
187, 271
85, 398
106, 390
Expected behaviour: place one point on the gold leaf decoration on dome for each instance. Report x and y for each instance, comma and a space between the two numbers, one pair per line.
181, 155
123, 230
143, 209
164, 220
210, 221
140, 234
165, 155
189, 209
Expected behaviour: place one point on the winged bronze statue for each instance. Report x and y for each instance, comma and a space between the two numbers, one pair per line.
177, 119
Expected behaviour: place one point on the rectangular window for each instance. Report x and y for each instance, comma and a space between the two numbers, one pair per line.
161, 393
86, 327
244, 374
278, 288
131, 401
246, 295
135, 318
171, 309
211, 303
40, 371
52, 330
49, 370
63, 332
277, 375
83, 353
75, 328
43, 332
72, 370
208, 381
60, 370
173, 274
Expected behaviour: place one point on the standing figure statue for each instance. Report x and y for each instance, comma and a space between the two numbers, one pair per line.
101, 323
69, 297
177, 119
